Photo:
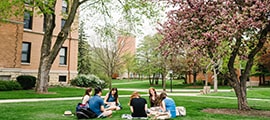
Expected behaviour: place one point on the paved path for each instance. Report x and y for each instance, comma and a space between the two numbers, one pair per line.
130, 82
79, 98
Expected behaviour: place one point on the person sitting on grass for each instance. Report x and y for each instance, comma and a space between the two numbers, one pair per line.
96, 104
86, 97
167, 104
111, 100
153, 97
138, 105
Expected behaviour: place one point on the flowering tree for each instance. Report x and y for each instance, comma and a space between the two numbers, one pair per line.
208, 26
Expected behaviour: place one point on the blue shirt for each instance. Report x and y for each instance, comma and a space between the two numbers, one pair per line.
111, 99
170, 106
95, 103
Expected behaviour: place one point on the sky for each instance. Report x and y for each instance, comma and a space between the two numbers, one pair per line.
93, 20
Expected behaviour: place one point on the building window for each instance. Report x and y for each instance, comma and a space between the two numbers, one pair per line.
27, 20
63, 21
63, 56
26, 52
62, 78
5, 77
64, 6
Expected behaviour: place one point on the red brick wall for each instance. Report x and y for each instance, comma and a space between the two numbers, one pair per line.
10, 47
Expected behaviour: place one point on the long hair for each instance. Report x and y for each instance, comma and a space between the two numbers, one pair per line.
153, 102
161, 97
150, 95
133, 95
115, 95
87, 91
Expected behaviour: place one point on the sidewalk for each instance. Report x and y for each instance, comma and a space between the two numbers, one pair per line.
79, 98
175, 92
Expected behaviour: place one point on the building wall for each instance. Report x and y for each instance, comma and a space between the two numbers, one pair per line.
10, 65
11, 33
128, 45
11, 37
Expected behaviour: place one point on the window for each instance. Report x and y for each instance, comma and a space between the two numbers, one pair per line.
63, 21
27, 20
64, 6
62, 78
5, 77
63, 56
26, 52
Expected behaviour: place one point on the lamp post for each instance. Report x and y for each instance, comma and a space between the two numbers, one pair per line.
171, 75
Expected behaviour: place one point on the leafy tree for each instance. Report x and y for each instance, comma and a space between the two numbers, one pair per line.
130, 64
204, 25
47, 8
154, 63
6, 12
84, 65
106, 54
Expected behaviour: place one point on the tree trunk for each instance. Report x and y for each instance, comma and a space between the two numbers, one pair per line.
215, 81
240, 91
206, 79
43, 76
164, 81
194, 77
150, 81
156, 79
49, 52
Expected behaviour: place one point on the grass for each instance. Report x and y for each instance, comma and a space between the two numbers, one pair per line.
262, 93
55, 92
176, 84
53, 110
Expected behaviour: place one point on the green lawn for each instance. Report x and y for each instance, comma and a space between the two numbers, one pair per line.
53, 110
263, 93
176, 84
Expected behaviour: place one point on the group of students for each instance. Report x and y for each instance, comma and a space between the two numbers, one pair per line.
158, 103
101, 107
138, 105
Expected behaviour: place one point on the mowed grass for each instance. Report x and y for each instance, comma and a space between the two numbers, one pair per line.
53, 110
54, 92
176, 84
262, 93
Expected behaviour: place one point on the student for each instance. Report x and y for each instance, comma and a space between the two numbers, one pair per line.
111, 100
152, 97
86, 97
167, 104
138, 105
96, 104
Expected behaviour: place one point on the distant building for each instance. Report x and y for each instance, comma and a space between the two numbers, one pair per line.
21, 40
127, 44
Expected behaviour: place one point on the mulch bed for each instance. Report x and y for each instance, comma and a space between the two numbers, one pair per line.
252, 112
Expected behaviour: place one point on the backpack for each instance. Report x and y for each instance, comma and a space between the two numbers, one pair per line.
84, 113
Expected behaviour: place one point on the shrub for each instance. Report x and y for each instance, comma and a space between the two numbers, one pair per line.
88, 81
26, 81
9, 85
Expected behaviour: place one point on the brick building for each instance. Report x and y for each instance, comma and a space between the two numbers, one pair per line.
127, 45
21, 40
